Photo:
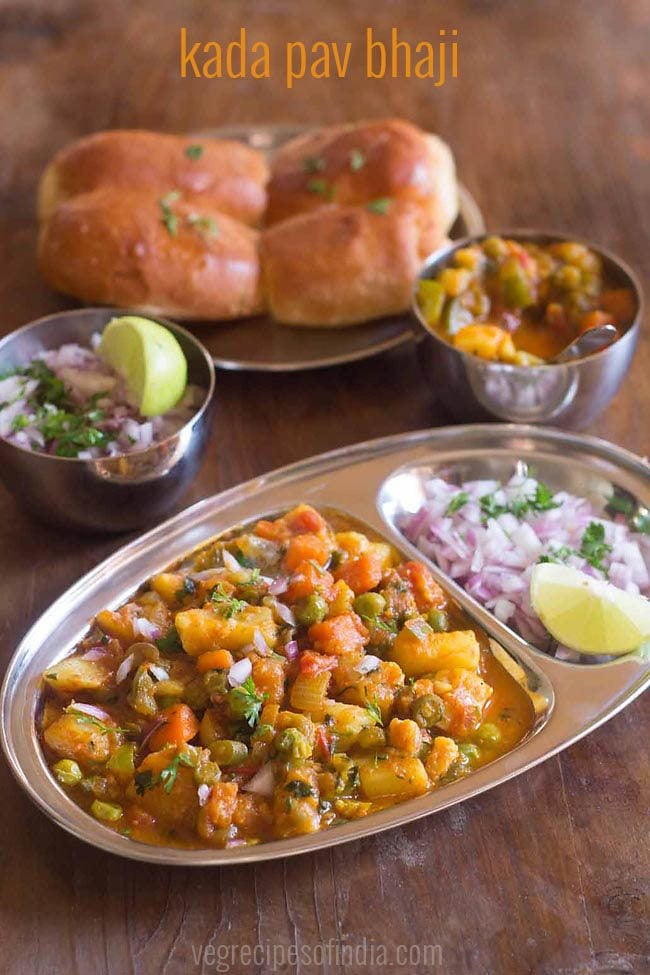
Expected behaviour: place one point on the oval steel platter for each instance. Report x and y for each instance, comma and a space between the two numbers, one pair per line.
362, 480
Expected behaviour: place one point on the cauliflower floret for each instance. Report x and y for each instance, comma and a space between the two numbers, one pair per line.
444, 752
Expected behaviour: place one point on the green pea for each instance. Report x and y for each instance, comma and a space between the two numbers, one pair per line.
196, 693
263, 733
207, 773
469, 751
514, 286
311, 610
67, 772
227, 752
215, 682
489, 734
292, 743
438, 620
427, 711
109, 812
122, 761
567, 277
495, 248
372, 738
370, 605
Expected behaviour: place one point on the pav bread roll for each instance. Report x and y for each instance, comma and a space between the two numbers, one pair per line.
127, 248
220, 173
354, 164
343, 265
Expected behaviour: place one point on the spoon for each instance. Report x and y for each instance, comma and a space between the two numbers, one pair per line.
590, 341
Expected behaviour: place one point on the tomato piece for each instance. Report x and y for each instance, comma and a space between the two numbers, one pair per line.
323, 744
340, 634
426, 590
363, 573
305, 548
315, 663
181, 725
307, 579
305, 519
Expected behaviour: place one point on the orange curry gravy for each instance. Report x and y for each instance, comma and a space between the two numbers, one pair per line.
287, 677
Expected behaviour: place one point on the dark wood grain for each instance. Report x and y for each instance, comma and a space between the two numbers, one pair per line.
549, 873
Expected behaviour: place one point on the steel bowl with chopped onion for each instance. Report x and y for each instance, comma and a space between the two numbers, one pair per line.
74, 449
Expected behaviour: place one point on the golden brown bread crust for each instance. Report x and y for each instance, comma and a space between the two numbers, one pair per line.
112, 247
228, 175
343, 265
354, 164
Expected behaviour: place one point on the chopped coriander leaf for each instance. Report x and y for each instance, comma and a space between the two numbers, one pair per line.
20, 422
227, 604
168, 775
322, 187
204, 225
194, 152
543, 500
490, 508
169, 218
457, 502
373, 709
246, 703
187, 589
144, 781
357, 160
50, 388
621, 504
638, 521
560, 554
381, 205
388, 626
335, 559
84, 718
313, 164
170, 642
593, 546
299, 789
243, 560
354, 778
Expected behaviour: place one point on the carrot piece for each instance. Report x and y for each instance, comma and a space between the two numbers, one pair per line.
214, 660
363, 573
181, 725
340, 634
315, 663
303, 548
305, 519
306, 579
595, 318
620, 303
272, 531
426, 590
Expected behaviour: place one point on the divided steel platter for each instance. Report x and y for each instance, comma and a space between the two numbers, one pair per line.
261, 345
360, 480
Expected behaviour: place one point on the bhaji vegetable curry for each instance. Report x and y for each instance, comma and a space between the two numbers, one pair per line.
522, 303
281, 680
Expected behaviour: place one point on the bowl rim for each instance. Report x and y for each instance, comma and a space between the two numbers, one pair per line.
527, 234
6, 340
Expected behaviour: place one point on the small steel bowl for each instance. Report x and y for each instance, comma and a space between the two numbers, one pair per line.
570, 395
110, 494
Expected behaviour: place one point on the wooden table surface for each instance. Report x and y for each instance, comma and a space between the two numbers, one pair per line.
549, 120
